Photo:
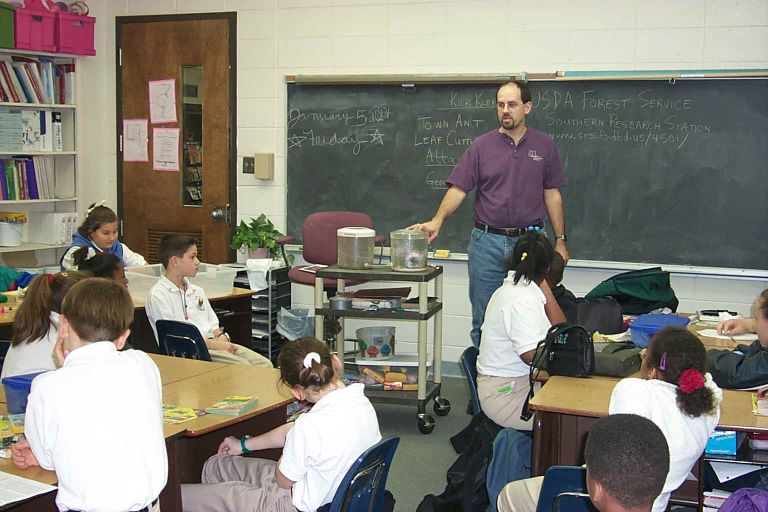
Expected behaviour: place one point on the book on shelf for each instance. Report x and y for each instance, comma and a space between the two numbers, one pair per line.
25, 178
36, 80
233, 405
714, 499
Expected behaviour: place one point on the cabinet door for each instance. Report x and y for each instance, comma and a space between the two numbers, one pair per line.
198, 55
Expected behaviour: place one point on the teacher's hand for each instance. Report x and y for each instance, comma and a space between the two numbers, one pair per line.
432, 228
562, 249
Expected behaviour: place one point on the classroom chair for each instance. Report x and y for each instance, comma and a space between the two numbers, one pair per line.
565, 488
320, 247
181, 339
469, 363
362, 489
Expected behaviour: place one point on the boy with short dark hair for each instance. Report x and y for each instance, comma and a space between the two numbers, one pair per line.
627, 460
174, 297
77, 415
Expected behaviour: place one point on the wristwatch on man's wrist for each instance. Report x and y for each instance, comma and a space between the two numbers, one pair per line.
561, 237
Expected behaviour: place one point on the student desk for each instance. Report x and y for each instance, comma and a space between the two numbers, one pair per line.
566, 407
237, 321
193, 384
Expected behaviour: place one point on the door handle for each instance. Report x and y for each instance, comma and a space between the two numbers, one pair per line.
221, 214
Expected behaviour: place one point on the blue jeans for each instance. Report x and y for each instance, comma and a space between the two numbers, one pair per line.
488, 257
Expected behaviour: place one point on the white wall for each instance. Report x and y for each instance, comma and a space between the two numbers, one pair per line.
286, 37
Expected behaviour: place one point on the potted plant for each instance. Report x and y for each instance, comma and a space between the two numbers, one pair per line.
258, 237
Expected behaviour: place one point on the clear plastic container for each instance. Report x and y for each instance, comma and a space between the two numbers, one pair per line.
409, 250
355, 247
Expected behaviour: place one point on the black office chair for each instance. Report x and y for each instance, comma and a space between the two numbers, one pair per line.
565, 488
362, 489
181, 339
469, 363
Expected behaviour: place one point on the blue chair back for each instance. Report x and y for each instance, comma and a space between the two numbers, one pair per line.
362, 489
181, 339
565, 488
469, 362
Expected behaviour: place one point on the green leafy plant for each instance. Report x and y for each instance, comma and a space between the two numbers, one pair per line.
258, 233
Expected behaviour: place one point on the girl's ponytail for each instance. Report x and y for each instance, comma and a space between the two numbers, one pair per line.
531, 257
32, 319
44, 295
680, 359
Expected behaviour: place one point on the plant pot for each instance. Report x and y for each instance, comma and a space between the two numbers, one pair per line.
261, 253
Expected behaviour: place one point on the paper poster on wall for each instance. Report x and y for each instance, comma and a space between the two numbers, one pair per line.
162, 101
165, 149
135, 140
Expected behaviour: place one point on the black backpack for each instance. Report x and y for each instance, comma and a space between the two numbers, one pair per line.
566, 350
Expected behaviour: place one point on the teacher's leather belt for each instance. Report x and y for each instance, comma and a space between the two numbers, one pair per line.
504, 231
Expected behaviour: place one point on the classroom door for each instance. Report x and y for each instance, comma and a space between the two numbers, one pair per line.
184, 66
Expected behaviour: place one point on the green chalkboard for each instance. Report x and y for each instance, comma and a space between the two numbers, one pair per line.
658, 171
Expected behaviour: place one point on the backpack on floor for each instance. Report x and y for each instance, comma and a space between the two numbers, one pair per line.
639, 291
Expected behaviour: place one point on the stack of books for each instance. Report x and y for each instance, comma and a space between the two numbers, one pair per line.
233, 405
26, 178
39, 80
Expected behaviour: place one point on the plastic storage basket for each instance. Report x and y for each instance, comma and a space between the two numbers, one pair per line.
644, 327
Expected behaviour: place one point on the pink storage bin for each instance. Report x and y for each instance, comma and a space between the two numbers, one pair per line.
74, 34
35, 27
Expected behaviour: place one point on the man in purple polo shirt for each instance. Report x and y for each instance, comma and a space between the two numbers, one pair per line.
517, 175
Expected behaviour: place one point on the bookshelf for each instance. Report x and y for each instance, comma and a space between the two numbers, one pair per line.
38, 150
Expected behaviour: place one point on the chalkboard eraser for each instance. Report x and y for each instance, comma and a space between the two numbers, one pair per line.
442, 253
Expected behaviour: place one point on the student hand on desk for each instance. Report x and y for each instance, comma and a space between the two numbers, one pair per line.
737, 326
22, 455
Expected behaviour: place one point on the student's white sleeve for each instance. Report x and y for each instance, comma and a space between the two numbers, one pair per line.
39, 431
525, 322
159, 307
629, 396
132, 259
301, 450
213, 320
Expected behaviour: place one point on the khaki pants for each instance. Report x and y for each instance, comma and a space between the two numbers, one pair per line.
236, 484
520, 495
502, 399
242, 356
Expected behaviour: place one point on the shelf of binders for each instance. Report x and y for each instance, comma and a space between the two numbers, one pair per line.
32, 247
45, 106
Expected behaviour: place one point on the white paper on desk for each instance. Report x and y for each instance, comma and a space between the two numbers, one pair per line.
622, 336
728, 470
14, 488
712, 333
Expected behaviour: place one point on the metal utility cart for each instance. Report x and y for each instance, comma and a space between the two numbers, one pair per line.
428, 308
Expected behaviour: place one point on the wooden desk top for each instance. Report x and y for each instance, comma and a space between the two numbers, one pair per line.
590, 397
7, 318
203, 390
173, 369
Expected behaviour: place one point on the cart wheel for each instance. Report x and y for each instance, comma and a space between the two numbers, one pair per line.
426, 424
442, 406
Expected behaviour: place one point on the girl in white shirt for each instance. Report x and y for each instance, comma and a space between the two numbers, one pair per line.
673, 392
517, 318
35, 326
677, 394
318, 448
98, 233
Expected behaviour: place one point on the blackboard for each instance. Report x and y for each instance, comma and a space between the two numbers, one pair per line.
658, 171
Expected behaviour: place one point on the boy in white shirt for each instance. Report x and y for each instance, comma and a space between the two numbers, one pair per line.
174, 298
77, 416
